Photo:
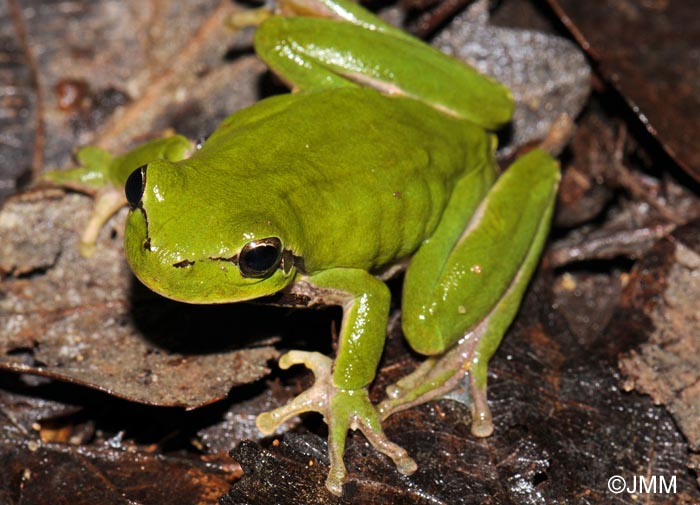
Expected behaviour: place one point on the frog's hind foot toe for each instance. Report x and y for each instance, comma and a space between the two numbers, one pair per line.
482, 421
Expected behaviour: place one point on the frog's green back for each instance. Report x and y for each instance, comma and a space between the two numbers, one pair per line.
344, 178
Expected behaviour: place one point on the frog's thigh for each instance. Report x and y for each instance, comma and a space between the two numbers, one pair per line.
314, 54
279, 42
482, 277
421, 284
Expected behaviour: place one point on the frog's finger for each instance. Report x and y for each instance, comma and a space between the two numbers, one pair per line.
107, 203
307, 401
318, 363
249, 17
371, 427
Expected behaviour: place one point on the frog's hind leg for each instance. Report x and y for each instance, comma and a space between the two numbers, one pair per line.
317, 54
438, 376
459, 300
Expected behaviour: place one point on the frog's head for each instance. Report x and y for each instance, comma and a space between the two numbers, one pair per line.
194, 235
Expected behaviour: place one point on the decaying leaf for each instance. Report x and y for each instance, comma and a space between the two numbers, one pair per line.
664, 288
36, 471
117, 73
548, 75
648, 51
88, 321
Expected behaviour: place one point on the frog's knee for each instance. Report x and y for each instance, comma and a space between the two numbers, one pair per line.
424, 339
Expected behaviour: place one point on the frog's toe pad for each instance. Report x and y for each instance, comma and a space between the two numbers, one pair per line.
335, 481
267, 422
482, 421
393, 391
482, 429
406, 466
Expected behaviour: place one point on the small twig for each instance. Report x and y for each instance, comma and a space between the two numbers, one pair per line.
184, 61
39, 128
429, 22
605, 246
631, 183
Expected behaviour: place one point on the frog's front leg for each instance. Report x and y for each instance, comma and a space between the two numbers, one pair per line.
103, 177
462, 290
339, 392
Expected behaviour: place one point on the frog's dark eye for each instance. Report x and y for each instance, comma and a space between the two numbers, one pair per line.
134, 187
260, 258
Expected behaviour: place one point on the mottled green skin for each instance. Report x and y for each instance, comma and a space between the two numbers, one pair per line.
361, 192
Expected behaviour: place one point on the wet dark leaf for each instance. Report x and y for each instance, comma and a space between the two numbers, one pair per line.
21, 413
648, 50
238, 422
614, 211
38, 472
563, 428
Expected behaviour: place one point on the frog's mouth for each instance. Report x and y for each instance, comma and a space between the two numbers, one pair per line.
201, 280
287, 261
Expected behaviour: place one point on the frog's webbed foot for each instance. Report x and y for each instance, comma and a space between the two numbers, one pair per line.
436, 377
342, 410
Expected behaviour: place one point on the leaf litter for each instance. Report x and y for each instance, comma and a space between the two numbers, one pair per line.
564, 425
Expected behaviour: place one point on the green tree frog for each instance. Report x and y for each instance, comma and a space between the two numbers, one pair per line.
380, 160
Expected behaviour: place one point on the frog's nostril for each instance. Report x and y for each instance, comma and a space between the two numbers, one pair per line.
134, 187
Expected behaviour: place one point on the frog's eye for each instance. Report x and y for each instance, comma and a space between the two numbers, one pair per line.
260, 258
134, 187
